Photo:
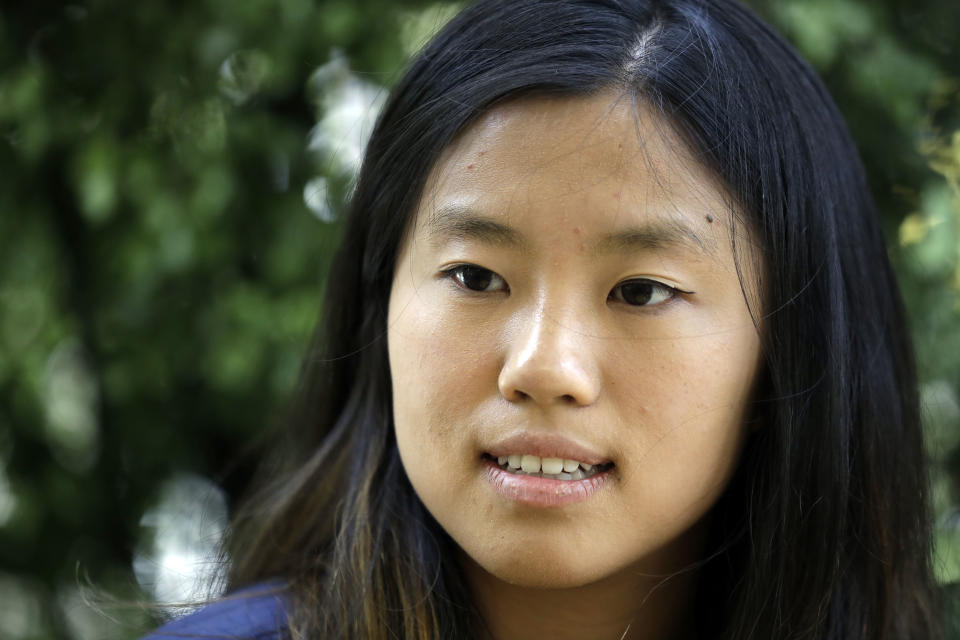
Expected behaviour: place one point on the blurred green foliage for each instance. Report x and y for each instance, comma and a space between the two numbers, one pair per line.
172, 178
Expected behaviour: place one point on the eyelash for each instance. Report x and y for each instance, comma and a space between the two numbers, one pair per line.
456, 275
459, 273
671, 293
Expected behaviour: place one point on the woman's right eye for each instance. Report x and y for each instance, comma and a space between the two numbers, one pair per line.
474, 278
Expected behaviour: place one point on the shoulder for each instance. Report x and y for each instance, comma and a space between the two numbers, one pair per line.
256, 613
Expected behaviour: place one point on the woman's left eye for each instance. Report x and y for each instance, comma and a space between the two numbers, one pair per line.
643, 293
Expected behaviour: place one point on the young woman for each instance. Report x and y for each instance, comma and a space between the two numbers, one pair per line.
612, 349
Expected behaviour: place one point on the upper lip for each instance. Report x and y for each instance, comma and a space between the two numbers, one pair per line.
545, 445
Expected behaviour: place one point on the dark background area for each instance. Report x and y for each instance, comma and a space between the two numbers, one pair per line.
172, 177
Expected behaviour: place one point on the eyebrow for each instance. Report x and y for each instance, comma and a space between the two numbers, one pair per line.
653, 236
461, 222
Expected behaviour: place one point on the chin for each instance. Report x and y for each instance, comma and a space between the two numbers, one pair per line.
539, 569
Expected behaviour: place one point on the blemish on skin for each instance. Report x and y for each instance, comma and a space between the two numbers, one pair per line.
709, 218
470, 166
576, 230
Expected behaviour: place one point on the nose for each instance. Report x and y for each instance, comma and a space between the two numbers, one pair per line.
550, 361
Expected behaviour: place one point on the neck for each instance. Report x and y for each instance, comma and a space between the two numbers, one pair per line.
627, 606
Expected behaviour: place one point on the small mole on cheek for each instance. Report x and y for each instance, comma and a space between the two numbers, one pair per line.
576, 230
709, 218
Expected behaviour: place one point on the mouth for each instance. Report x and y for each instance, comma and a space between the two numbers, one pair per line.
564, 469
525, 479
545, 470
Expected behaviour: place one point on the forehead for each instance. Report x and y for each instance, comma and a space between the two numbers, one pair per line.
598, 164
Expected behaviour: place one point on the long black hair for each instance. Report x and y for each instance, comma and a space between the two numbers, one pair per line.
824, 530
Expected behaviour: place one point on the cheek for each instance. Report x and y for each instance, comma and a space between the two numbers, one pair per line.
704, 368
436, 386
688, 427
439, 358
442, 369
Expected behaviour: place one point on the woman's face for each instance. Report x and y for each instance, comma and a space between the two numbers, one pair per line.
567, 302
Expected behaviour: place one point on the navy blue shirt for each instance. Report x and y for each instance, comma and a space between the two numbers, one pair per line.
258, 613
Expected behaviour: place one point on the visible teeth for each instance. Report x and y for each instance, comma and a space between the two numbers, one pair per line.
530, 464
553, 468
551, 465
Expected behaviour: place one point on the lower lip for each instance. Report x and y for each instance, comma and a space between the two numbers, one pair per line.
543, 492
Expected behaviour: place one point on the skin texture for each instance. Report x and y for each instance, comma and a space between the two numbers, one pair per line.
536, 192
